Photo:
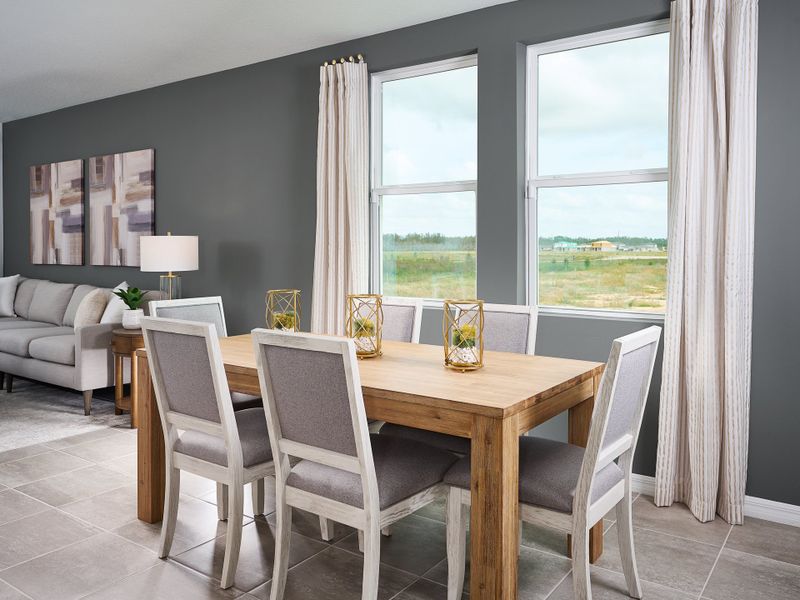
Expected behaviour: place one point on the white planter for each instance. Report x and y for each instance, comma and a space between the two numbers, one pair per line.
131, 319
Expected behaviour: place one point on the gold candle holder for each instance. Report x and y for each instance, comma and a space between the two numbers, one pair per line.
462, 329
283, 310
364, 323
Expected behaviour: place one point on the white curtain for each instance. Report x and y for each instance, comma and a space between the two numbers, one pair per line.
705, 391
342, 242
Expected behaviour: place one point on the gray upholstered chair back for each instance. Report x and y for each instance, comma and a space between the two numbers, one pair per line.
509, 328
182, 368
199, 310
309, 391
401, 320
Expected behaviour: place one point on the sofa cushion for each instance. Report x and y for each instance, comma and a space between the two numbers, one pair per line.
91, 308
20, 323
8, 291
57, 348
17, 341
50, 301
78, 295
22, 302
115, 306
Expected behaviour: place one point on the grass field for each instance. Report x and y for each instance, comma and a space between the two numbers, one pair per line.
621, 280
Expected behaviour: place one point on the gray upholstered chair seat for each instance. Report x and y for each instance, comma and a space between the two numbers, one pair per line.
252, 426
451, 443
17, 341
403, 468
244, 401
548, 474
56, 349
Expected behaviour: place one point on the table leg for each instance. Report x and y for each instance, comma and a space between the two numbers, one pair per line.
119, 386
494, 520
151, 460
134, 392
580, 421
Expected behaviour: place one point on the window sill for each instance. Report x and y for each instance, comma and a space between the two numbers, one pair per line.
610, 315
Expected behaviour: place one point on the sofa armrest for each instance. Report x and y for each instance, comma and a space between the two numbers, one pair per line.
94, 362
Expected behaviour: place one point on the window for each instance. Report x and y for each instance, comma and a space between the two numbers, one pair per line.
597, 171
424, 180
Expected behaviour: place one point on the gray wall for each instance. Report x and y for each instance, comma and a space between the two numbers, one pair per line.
235, 161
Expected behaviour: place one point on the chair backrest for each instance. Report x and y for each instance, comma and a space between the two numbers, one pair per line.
509, 328
312, 397
402, 319
619, 405
189, 379
201, 310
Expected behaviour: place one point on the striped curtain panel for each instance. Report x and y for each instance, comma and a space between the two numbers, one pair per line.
342, 241
705, 392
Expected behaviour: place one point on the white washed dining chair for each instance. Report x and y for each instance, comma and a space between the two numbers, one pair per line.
315, 412
210, 310
570, 488
202, 433
506, 328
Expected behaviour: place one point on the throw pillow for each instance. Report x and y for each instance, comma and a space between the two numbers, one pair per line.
115, 306
91, 308
8, 291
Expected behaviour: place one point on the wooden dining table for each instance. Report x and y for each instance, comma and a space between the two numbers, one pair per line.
409, 385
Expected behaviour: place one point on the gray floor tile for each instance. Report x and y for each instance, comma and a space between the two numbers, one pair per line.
165, 581
664, 559
75, 485
416, 545
255, 558
149, 536
336, 574
740, 576
194, 485
307, 524
81, 438
678, 520
124, 464
772, 540
17, 453
14, 505
39, 466
435, 510
35, 535
425, 589
608, 585
80, 569
211, 498
108, 510
9, 593
544, 538
105, 448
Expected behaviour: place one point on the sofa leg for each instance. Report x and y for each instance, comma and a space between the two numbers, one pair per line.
2, 379
87, 402
9, 382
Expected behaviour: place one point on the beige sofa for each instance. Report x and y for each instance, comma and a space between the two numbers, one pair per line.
43, 344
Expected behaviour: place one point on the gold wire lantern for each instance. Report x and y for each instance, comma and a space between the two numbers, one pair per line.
462, 328
283, 310
364, 323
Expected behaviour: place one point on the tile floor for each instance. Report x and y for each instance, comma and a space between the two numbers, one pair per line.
68, 530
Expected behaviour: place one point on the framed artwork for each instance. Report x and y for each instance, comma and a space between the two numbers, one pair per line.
121, 206
56, 201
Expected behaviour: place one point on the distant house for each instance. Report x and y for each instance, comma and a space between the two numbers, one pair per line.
565, 246
603, 246
646, 248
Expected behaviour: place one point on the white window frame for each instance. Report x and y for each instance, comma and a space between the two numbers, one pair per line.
534, 181
376, 154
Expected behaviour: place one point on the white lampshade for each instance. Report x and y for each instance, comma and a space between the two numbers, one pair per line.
167, 253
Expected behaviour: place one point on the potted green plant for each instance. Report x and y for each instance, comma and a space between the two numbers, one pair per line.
133, 298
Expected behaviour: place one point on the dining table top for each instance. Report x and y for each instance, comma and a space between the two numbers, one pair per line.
506, 384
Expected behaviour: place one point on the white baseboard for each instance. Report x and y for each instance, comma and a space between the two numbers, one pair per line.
757, 508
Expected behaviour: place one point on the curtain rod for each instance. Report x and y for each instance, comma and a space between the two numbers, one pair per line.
358, 57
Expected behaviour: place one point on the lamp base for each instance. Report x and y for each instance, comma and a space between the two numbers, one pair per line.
170, 286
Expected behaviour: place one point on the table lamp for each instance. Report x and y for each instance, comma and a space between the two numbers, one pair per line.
170, 253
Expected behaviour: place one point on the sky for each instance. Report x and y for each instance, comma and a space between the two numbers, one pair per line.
601, 108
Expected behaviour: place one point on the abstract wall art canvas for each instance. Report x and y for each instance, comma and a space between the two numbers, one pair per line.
56, 196
121, 206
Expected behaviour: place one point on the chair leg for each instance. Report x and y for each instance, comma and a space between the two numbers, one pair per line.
233, 537
387, 531
258, 496
170, 519
361, 541
372, 560
456, 544
9, 382
283, 517
222, 502
87, 402
626, 550
326, 529
582, 587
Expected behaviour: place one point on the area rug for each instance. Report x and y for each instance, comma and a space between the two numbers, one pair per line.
35, 413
